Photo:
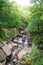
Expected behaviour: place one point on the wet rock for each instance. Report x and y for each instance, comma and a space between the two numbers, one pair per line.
9, 64
15, 52
14, 60
1, 45
23, 52
20, 46
21, 32
4, 62
2, 55
7, 49
4, 42
14, 44
18, 63
1, 64
18, 50
41, 46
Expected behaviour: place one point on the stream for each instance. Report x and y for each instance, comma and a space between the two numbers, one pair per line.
23, 42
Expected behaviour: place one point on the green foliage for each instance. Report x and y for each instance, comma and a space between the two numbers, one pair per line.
32, 27
2, 35
36, 21
35, 58
11, 15
10, 33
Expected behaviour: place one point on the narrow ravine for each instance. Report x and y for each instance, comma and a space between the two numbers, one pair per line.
17, 52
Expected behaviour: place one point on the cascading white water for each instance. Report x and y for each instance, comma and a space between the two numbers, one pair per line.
22, 43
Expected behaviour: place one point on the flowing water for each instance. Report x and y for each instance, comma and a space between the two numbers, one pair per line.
21, 41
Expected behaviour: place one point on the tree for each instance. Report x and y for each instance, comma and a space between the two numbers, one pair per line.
11, 15
36, 21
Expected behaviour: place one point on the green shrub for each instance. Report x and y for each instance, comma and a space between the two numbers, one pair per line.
10, 33
36, 56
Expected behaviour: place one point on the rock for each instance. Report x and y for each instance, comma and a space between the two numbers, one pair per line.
14, 44
19, 35
14, 60
1, 45
9, 63
18, 50
2, 55
4, 62
21, 32
23, 52
7, 49
1, 64
15, 52
20, 46
4, 42
41, 46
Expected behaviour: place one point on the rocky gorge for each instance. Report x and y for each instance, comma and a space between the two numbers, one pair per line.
12, 53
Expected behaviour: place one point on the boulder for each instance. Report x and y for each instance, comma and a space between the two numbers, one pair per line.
2, 55
14, 60
14, 44
7, 49
4, 42
1, 45
4, 62
23, 52
1, 64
